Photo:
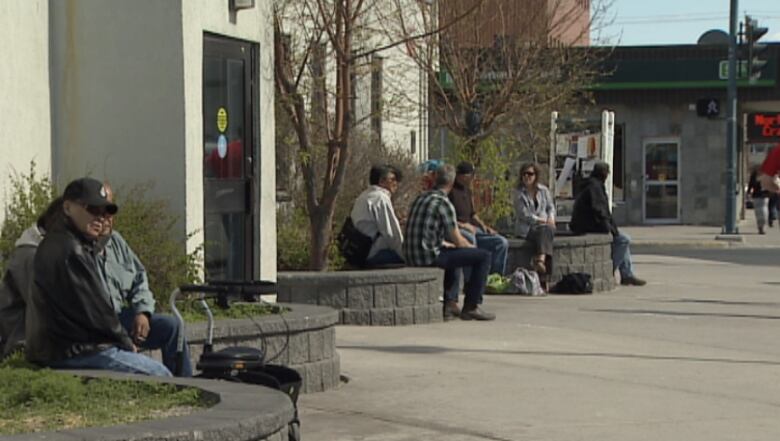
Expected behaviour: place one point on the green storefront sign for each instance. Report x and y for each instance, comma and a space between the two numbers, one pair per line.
679, 74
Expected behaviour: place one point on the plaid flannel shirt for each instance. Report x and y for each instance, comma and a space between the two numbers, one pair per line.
431, 219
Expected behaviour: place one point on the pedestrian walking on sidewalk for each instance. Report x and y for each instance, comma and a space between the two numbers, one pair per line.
760, 198
768, 177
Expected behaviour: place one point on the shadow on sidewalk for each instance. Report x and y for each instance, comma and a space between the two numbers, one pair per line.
684, 314
739, 256
410, 349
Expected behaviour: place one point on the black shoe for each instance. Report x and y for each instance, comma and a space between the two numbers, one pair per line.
633, 281
451, 311
474, 312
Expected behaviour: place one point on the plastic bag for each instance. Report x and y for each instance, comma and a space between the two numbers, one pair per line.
527, 282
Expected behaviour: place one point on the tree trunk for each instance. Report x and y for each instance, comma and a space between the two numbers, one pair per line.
320, 235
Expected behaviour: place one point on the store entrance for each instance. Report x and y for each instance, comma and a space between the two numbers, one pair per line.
228, 172
662, 185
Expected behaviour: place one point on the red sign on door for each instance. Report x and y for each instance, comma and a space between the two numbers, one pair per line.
762, 127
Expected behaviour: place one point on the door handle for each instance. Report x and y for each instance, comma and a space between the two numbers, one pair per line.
248, 196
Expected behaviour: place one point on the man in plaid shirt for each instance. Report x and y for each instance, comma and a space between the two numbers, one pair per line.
433, 239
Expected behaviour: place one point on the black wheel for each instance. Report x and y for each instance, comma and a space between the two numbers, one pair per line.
294, 431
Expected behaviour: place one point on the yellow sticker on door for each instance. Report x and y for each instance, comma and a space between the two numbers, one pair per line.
222, 119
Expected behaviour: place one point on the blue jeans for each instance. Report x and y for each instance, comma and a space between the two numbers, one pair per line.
495, 243
621, 255
498, 247
452, 260
773, 202
115, 359
384, 257
163, 333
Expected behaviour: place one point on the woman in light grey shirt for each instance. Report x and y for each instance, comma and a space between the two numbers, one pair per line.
535, 211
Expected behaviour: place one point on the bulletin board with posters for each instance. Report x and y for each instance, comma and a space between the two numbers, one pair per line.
577, 144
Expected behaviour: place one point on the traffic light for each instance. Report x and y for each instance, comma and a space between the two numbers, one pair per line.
753, 32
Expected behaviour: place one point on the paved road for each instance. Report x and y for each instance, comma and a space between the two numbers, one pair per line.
692, 356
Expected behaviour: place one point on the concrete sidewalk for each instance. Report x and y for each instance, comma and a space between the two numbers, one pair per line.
691, 356
649, 239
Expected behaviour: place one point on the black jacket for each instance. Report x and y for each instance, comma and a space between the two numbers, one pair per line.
591, 210
69, 313
754, 187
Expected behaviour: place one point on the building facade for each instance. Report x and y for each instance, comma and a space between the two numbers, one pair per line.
670, 155
564, 22
176, 94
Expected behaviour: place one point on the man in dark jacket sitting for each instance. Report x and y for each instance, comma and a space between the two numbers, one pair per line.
70, 320
591, 214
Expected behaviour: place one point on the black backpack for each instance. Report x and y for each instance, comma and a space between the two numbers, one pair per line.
574, 283
353, 244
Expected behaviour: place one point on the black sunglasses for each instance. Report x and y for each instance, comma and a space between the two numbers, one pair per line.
529, 173
97, 211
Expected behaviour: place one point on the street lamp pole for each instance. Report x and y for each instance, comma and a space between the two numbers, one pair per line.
730, 226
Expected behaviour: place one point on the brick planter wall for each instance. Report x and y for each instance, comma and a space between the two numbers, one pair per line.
245, 412
303, 339
591, 253
388, 297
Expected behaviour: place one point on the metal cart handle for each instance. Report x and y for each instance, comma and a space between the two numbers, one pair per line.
222, 291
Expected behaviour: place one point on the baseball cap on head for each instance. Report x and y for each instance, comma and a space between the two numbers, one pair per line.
465, 168
91, 192
430, 165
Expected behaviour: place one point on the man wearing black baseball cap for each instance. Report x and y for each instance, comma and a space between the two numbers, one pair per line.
70, 321
471, 226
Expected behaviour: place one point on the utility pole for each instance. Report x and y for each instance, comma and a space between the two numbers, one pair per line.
730, 225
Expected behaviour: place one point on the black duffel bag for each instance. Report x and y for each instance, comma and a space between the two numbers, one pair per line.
353, 244
574, 283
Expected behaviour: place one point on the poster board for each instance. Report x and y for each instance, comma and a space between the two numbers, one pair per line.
575, 152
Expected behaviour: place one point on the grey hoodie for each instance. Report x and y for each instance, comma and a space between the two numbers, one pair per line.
15, 289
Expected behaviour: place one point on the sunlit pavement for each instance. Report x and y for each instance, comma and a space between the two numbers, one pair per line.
694, 355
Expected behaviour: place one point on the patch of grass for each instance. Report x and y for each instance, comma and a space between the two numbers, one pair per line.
193, 312
35, 400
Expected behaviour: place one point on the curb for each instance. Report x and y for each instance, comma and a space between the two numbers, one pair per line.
244, 412
646, 247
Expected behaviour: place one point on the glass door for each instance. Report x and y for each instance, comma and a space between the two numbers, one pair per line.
662, 186
228, 151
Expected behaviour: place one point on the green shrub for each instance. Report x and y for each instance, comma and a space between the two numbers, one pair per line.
292, 240
495, 178
293, 244
145, 223
147, 226
28, 197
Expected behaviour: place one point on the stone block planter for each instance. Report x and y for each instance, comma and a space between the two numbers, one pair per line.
245, 412
387, 297
591, 253
303, 339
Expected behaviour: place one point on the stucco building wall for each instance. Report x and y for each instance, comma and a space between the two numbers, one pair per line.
25, 128
702, 160
127, 96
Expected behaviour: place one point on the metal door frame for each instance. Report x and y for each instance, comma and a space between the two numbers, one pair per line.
646, 183
222, 46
